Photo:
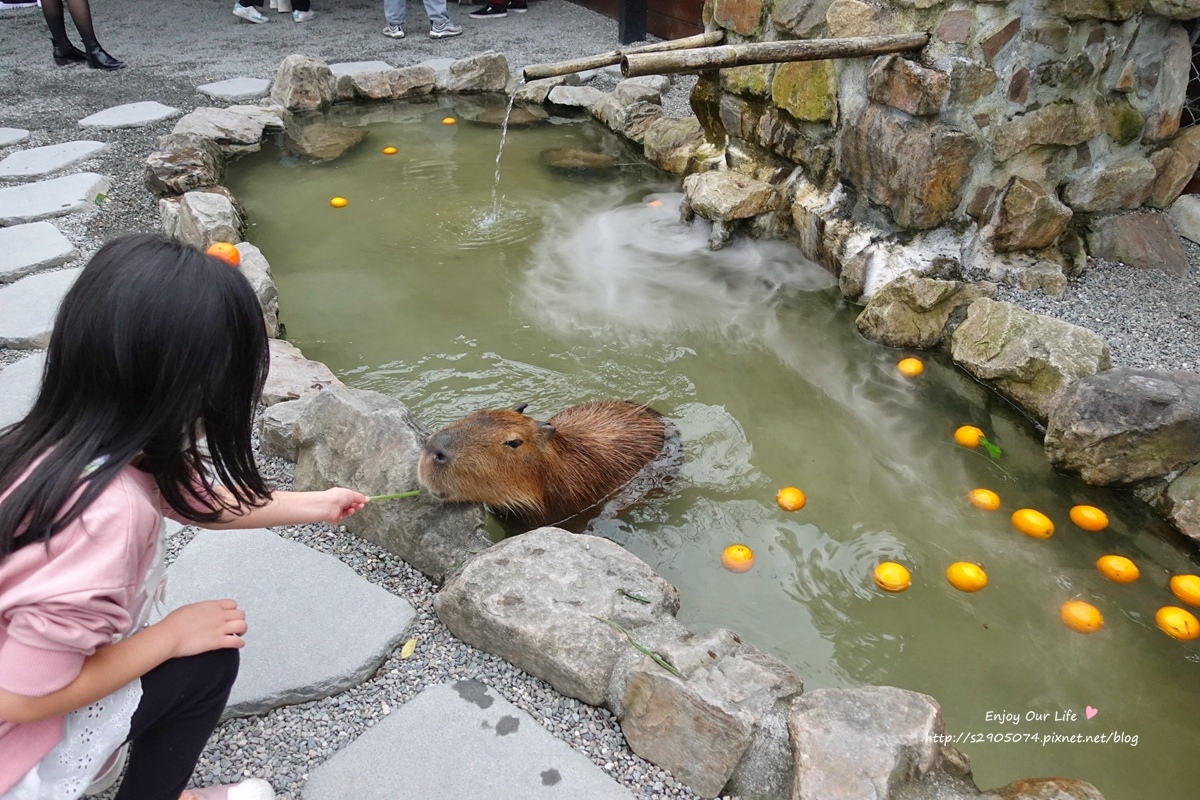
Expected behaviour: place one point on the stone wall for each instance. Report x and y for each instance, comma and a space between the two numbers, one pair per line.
1022, 127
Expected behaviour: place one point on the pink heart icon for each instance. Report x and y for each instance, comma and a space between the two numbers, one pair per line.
1091, 712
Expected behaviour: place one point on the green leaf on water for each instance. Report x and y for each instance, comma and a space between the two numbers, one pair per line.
101, 199
992, 449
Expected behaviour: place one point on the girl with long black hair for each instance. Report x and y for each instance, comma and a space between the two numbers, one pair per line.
153, 371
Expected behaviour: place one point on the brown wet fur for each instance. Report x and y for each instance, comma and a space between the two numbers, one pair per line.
563, 468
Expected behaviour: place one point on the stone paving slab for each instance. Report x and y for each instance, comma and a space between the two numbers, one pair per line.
30, 202
35, 162
130, 115
236, 90
12, 136
27, 308
456, 741
315, 627
19, 385
25, 249
351, 67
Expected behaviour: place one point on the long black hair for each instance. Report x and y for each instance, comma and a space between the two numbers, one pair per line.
156, 346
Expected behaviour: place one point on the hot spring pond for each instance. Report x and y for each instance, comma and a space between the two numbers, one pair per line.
585, 286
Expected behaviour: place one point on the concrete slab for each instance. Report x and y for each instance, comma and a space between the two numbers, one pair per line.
351, 67
236, 90
12, 136
130, 115
19, 384
25, 249
35, 162
30, 202
315, 627
460, 740
27, 308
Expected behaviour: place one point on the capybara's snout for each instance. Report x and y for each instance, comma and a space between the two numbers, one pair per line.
436, 456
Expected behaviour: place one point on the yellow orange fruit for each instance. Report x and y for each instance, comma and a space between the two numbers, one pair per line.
339, 202
226, 252
966, 577
1118, 569
449, 121
1081, 617
968, 436
1186, 588
737, 558
984, 498
790, 498
892, 577
390, 151
910, 367
1089, 518
1175, 621
1032, 523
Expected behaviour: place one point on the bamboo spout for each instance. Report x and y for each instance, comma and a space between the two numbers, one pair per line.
536, 71
738, 55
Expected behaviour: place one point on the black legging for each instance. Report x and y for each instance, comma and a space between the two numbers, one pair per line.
182, 699
81, 15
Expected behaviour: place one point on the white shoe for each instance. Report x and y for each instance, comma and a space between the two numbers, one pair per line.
302, 16
249, 13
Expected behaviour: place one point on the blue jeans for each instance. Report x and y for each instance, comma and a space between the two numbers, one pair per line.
394, 10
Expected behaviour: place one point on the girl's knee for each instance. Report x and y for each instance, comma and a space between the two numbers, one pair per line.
221, 665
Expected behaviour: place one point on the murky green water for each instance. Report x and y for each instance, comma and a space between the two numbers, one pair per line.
584, 290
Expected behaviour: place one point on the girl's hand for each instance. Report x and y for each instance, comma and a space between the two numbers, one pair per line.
200, 627
334, 505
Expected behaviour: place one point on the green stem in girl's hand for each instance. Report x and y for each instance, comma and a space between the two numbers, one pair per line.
378, 497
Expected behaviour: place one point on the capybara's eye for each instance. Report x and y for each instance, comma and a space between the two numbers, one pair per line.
513, 443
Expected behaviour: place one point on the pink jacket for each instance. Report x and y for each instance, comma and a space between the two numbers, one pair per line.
58, 604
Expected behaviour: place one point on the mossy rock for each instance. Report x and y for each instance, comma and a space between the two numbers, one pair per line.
806, 89
1126, 124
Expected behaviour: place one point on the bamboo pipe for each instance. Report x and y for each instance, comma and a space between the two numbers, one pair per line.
737, 55
536, 71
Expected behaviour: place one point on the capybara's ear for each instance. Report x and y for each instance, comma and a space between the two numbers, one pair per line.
545, 431
520, 407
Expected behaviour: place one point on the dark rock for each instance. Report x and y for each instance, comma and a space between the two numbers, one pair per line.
1144, 240
572, 159
912, 311
183, 162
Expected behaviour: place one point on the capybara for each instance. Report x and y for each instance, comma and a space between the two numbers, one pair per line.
534, 473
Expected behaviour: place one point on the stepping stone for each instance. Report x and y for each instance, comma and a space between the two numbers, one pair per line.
236, 90
19, 384
25, 249
460, 740
316, 627
27, 308
38, 161
30, 202
130, 115
12, 136
351, 67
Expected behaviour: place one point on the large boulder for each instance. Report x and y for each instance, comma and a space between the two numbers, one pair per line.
1028, 217
673, 143
1175, 165
852, 744
486, 72
1066, 123
256, 269
277, 428
1183, 503
365, 440
303, 84
631, 120
913, 311
1145, 240
1030, 358
237, 129
319, 140
293, 376
1111, 186
700, 724
539, 600
208, 217
900, 83
183, 162
1126, 425
726, 195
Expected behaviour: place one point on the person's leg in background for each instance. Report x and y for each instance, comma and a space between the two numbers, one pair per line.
394, 12
250, 10
440, 26
64, 51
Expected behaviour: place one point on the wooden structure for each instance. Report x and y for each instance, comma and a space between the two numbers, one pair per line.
666, 19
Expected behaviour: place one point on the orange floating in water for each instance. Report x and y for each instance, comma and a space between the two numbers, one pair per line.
790, 498
1089, 518
968, 436
910, 367
390, 151
654, 203
984, 498
1178, 623
892, 577
1033, 523
1081, 617
1186, 588
339, 202
1118, 569
737, 558
966, 577
449, 121
226, 252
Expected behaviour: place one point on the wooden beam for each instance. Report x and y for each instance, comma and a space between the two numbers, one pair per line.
536, 71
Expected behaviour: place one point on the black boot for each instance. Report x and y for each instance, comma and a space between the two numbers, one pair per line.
68, 54
98, 59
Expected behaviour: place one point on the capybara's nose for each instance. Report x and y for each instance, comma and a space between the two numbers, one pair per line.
439, 448
440, 457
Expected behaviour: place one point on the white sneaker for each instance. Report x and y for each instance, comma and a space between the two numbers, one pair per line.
249, 13
302, 16
393, 32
